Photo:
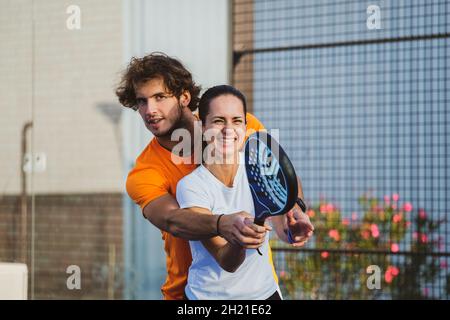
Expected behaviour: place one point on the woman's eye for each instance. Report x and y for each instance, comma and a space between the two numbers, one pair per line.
218, 121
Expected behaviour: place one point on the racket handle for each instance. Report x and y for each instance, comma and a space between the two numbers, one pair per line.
259, 222
301, 204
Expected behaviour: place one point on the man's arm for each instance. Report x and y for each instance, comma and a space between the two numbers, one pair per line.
194, 224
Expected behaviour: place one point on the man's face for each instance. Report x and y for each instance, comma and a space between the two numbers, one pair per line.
160, 110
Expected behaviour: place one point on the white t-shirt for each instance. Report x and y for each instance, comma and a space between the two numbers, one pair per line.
254, 279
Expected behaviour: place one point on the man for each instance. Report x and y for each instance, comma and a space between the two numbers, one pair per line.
163, 92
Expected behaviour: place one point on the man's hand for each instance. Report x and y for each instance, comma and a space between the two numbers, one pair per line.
300, 226
238, 228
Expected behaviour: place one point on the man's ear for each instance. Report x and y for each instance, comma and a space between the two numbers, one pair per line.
185, 98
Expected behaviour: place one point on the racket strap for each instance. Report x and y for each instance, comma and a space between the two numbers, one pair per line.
301, 204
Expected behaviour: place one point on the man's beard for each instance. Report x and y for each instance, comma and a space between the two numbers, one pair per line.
178, 123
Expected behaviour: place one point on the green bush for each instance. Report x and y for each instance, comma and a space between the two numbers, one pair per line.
389, 234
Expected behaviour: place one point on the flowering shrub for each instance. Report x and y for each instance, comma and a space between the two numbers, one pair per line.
389, 234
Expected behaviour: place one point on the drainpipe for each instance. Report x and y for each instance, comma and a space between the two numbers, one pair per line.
23, 199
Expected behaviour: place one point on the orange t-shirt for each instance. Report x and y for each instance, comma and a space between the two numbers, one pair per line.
155, 175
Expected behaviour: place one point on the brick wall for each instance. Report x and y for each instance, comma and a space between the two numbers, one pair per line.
82, 230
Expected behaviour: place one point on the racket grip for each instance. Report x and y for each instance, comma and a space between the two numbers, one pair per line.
259, 222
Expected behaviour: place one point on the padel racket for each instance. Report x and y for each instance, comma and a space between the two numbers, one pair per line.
271, 176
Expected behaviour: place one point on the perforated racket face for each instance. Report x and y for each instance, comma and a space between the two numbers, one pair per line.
271, 176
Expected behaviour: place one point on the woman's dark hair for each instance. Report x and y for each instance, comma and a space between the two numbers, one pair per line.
176, 77
214, 92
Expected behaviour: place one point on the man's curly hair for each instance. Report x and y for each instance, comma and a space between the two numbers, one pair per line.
177, 78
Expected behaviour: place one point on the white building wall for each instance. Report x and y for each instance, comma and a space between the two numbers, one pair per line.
197, 33
74, 72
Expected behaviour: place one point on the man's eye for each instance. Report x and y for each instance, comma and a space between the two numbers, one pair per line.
238, 121
218, 121
159, 98
141, 102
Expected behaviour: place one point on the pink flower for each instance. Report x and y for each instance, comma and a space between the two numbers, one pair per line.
388, 276
354, 216
282, 274
443, 264
310, 213
394, 247
387, 199
423, 238
414, 235
422, 214
391, 272
365, 234
397, 218
324, 254
407, 207
323, 208
408, 224
333, 233
345, 221
327, 208
394, 271
394, 206
426, 291
395, 197
374, 230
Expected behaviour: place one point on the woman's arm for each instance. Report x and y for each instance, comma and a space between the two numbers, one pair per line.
229, 256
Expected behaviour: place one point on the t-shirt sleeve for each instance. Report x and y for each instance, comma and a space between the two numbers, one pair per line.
253, 123
190, 194
145, 185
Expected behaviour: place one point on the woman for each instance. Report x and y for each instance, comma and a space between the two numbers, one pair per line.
222, 270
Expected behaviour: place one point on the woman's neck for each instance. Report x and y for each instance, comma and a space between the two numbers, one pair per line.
224, 172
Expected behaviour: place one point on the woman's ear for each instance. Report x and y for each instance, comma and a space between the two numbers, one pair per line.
185, 98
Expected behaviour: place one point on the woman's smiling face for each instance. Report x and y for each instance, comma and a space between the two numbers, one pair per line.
224, 127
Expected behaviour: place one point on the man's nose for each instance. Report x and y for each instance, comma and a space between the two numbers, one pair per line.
150, 107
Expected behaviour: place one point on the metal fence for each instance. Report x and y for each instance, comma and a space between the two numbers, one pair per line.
363, 113
361, 274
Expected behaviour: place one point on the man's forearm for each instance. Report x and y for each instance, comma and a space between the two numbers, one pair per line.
199, 223
191, 225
